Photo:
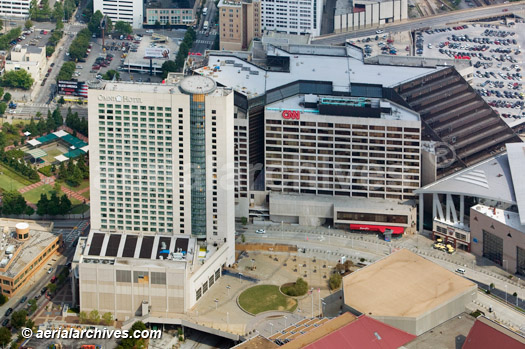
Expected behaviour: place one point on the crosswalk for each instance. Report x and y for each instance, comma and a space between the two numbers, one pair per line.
72, 235
212, 32
207, 42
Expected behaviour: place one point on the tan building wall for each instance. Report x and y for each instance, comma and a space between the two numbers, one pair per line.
11, 285
512, 238
239, 23
121, 289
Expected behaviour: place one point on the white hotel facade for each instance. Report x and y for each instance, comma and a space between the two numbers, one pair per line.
129, 11
292, 17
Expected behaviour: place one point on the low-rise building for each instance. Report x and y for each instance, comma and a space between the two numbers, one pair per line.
359, 14
29, 58
132, 275
15, 8
26, 248
408, 292
168, 12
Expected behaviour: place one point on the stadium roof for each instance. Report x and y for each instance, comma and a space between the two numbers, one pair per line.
402, 285
47, 138
516, 158
36, 153
490, 179
488, 334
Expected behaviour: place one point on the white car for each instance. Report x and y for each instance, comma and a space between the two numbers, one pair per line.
50, 270
460, 271
379, 31
260, 231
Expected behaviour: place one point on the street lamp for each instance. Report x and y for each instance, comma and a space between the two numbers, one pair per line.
285, 318
253, 261
505, 293
240, 276
271, 328
228, 288
216, 303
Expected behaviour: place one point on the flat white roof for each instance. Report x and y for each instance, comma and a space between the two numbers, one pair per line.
509, 218
34, 142
516, 156
61, 158
60, 133
314, 63
86, 148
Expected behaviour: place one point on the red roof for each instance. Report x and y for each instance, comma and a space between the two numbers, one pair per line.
364, 332
486, 334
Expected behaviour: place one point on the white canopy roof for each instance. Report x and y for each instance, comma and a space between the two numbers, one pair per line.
34, 142
61, 158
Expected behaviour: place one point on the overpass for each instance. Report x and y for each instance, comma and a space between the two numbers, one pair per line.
432, 21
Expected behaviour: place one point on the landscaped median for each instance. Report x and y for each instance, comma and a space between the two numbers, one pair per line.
261, 298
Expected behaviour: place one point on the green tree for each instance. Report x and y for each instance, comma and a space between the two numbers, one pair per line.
53, 207
76, 177
244, 220
168, 67
81, 164
30, 324
5, 336
79, 46
3, 107
57, 117
1, 24
62, 171
94, 317
94, 23
82, 317
17, 79
335, 281
65, 204
7, 97
52, 288
109, 25
19, 318
107, 318
66, 71
50, 124
58, 12
50, 50
28, 24
13, 203
32, 305
42, 205
123, 28
3, 299
61, 100
110, 74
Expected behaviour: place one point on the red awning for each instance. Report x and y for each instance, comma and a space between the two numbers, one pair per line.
379, 228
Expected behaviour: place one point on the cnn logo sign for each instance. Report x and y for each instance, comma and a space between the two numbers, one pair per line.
291, 114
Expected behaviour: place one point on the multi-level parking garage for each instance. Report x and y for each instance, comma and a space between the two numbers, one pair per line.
455, 115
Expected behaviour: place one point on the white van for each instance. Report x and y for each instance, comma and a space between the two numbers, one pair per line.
460, 271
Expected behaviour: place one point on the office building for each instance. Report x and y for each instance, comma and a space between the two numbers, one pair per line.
27, 246
15, 8
129, 11
292, 17
352, 15
167, 12
239, 23
32, 59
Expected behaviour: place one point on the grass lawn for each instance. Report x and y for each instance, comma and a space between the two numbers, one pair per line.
84, 184
34, 194
51, 153
74, 201
261, 298
10, 180
86, 194
79, 209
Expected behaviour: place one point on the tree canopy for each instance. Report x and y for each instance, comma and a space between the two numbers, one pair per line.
123, 28
17, 79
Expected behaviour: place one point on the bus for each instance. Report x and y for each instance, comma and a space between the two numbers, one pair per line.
205, 26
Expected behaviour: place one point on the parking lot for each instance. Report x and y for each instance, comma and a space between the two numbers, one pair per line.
391, 44
495, 50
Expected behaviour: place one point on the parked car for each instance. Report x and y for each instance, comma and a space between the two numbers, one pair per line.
43, 290
460, 271
5, 322
12, 105
260, 231
50, 270
23, 299
8, 311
